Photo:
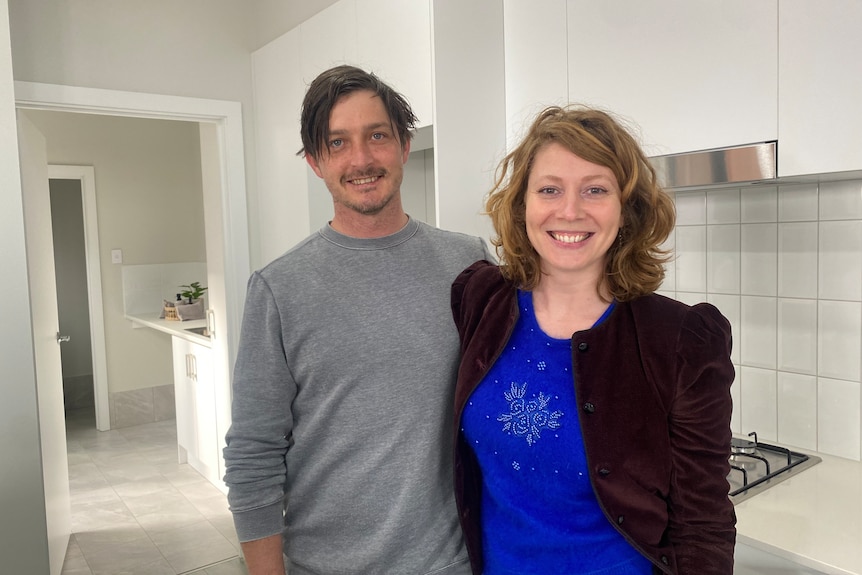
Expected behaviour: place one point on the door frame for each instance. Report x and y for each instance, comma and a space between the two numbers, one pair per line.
86, 175
227, 117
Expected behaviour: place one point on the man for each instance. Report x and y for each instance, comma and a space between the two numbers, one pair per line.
339, 452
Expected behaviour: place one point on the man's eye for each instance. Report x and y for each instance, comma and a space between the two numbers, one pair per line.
377, 136
336, 143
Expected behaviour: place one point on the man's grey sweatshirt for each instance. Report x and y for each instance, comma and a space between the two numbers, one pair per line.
342, 404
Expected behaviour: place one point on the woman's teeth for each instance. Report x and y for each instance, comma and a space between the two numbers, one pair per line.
569, 238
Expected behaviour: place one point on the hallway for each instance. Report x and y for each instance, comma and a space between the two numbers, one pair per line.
136, 511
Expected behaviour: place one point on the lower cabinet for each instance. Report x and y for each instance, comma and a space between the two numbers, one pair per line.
194, 390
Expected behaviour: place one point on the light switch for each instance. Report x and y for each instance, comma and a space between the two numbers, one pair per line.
116, 256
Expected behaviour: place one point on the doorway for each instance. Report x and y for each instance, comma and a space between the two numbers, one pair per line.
79, 289
226, 220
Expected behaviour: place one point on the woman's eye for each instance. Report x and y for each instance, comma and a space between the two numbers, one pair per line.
547, 191
596, 191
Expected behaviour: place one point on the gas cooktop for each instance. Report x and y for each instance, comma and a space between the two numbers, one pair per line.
756, 466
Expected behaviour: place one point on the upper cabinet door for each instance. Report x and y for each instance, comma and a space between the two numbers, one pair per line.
393, 40
820, 86
536, 61
328, 39
691, 75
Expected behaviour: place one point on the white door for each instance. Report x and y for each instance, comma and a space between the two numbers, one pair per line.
43, 309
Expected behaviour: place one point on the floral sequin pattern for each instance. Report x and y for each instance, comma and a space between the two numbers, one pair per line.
527, 418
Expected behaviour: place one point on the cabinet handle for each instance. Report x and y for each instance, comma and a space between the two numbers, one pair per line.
211, 323
194, 363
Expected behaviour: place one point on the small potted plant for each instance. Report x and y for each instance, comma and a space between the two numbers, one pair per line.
192, 292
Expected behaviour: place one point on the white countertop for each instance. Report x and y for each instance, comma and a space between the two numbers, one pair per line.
176, 328
813, 518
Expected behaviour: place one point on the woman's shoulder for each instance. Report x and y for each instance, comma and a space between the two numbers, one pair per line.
674, 316
478, 285
482, 276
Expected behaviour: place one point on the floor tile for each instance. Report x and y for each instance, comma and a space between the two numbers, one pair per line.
189, 547
128, 491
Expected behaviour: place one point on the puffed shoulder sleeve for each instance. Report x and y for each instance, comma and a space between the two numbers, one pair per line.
460, 289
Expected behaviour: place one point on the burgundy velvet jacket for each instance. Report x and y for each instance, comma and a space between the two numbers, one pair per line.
653, 382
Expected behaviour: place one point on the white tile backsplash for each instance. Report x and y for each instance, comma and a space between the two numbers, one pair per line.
691, 258
841, 200
759, 259
797, 410
145, 287
759, 205
797, 259
691, 209
797, 335
759, 398
722, 259
797, 203
840, 261
838, 417
784, 265
722, 207
758, 331
839, 339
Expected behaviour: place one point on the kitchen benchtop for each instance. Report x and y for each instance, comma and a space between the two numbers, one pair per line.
176, 328
813, 518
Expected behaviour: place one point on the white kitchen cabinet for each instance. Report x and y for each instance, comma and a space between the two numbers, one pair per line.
692, 75
401, 52
536, 71
194, 390
820, 86
391, 38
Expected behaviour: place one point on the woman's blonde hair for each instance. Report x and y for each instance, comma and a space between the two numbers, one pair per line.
634, 264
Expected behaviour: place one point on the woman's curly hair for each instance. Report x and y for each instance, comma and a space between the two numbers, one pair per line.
635, 262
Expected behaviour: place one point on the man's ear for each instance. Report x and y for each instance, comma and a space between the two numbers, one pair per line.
405, 152
312, 162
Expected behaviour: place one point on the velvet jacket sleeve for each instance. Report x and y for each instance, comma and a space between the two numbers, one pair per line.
701, 522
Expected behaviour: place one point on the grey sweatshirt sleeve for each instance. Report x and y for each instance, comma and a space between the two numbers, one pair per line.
257, 441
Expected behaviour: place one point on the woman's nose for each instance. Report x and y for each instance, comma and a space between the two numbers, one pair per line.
572, 206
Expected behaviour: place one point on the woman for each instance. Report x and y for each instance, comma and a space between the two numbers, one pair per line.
593, 416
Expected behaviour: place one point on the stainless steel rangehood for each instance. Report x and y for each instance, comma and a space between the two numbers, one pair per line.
721, 166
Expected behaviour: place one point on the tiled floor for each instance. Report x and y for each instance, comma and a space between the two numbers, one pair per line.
136, 511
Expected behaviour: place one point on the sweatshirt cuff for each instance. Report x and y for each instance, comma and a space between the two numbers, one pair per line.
260, 522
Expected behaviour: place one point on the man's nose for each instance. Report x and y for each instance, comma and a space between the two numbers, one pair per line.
361, 154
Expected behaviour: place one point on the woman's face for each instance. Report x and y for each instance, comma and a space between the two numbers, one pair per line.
573, 213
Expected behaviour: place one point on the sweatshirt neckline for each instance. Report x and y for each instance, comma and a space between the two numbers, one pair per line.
351, 243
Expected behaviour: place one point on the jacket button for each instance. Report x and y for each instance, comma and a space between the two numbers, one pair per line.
620, 520
604, 471
589, 407
583, 346
665, 560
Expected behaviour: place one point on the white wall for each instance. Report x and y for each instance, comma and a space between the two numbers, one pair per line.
272, 18
469, 109
197, 48
23, 531
150, 205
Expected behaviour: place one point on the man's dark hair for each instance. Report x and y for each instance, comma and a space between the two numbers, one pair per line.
328, 87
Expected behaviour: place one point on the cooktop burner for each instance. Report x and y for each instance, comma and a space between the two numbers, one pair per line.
756, 466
